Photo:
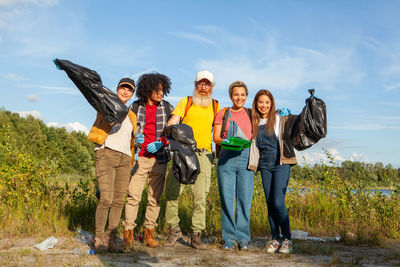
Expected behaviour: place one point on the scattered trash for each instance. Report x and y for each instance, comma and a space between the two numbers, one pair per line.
48, 243
334, 239
84, 236
298, 234
77, 251
302, 235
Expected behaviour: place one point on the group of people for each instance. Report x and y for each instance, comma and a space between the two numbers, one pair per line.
140, 140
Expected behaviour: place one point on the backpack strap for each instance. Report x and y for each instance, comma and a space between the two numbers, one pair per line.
215, 107
224, 121
168, 108
188, 105
249, 113
135, 107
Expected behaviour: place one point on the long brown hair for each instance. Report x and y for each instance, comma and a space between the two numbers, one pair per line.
256, 116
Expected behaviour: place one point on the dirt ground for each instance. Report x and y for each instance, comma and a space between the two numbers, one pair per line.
20, 252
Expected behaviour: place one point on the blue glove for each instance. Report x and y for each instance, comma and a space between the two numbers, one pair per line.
139, 138
154, 146
284, 112
225, 141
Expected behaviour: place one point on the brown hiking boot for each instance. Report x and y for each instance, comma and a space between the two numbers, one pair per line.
196, 241
149, 238
173, 235
100, 244
128, 239
113, 246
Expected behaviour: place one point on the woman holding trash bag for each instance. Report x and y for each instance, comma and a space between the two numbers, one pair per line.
235, 180
276, 157
114, 147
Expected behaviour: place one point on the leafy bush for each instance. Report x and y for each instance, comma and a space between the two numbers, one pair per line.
25, 192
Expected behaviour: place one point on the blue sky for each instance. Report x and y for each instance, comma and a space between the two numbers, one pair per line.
349, 51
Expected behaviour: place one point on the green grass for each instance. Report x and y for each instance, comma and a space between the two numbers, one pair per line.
35, 200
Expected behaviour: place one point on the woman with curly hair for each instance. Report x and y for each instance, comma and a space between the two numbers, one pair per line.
152, 115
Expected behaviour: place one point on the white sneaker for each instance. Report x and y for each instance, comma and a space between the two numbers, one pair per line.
287, 247
272, 246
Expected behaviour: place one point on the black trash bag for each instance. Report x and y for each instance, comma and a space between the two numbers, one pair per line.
185, 164
100, 97
311, 125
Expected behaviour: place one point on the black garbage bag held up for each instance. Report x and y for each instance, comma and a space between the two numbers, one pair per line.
311, 125
185, 164
100, 97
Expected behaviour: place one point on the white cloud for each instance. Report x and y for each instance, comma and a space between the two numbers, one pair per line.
36, 2
367, 126
391, 73
370, 123
34, 113
389, 103
72, 126
306, 157
52, 89
173, 99
148, 70
13, 77
392, 86
358, 157
264, 63
30, 26
194, 37
33, 98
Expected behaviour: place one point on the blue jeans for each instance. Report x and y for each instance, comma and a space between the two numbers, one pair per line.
235, 181
275, 180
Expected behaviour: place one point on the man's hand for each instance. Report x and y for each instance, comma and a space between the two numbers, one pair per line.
154, 146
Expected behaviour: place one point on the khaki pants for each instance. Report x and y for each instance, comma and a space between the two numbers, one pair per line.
112, 171
149, 170
200, 190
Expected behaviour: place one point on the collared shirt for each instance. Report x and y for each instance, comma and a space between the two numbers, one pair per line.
161, 118
164, 110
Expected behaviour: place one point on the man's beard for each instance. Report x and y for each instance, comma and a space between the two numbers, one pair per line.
200, 100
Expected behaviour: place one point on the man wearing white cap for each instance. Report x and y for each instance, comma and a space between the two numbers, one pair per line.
197, 111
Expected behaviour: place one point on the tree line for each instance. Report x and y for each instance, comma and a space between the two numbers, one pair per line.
73, 153
355, 172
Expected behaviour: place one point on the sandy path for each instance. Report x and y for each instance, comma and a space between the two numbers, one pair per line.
20, 252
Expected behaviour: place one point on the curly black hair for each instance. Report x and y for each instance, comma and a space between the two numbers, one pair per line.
149, 82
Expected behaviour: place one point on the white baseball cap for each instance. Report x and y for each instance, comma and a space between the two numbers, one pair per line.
205, 74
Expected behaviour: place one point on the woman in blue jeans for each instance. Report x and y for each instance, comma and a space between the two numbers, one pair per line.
276, 157
235, 180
